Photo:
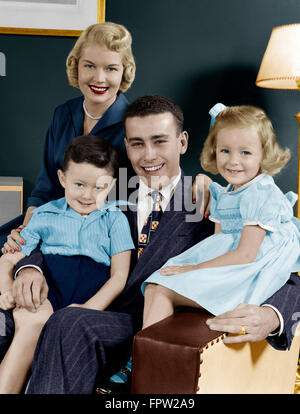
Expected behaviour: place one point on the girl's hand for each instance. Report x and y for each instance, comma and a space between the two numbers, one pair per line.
174, 270
200, 188
7, 300
11, 245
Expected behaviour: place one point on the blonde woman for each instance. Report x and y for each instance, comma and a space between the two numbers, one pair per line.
256, 242
101, 65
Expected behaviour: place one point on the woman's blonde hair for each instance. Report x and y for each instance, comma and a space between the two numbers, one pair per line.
274, 158
114, 37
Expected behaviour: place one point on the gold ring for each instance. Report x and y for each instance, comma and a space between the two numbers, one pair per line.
242, 331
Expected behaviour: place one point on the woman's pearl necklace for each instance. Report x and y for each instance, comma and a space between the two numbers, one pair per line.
96, 118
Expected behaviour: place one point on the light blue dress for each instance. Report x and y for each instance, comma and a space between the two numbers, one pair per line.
259, 202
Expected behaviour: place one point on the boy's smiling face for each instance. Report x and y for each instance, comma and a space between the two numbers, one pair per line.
86, 186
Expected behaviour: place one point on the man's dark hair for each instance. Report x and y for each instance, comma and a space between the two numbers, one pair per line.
92, 150
154, 104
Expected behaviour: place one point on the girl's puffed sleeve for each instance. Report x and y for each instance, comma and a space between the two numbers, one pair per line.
215, 191
265, 206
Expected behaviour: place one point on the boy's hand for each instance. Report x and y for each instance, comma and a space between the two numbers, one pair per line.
85, 305
7, 300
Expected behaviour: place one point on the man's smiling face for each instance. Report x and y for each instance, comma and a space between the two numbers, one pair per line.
154, 147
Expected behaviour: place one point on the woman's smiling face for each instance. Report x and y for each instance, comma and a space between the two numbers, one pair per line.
100, 72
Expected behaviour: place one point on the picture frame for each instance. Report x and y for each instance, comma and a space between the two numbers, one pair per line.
50, 17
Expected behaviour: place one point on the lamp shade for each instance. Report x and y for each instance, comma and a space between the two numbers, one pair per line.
280, 66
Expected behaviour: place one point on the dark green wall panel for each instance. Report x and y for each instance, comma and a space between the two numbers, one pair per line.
197, 52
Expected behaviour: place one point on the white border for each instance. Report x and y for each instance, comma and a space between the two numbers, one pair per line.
48, 16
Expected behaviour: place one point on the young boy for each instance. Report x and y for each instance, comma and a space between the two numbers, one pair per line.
86, 244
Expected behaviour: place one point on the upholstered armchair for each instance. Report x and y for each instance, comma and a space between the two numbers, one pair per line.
181, 355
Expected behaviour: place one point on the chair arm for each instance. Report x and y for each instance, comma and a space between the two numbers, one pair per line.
181, 355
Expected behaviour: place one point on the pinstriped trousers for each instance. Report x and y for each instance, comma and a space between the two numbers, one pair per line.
78, 347
7, 330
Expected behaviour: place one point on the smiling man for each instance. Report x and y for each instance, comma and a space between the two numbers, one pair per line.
155, 142
94, 344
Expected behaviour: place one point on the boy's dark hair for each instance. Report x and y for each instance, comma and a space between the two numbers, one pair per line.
154, 104
92, 150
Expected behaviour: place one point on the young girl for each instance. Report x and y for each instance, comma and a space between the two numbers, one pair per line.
86, 245
256, 242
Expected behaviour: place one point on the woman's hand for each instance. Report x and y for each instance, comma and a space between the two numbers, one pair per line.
200, 188
11, 245
7, 300
174, 270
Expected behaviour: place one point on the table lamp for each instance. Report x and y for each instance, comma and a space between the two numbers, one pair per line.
280, 69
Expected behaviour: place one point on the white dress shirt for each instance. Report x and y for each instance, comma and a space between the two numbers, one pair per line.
145, 201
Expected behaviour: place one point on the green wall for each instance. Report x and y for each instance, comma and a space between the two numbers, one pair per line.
197, 52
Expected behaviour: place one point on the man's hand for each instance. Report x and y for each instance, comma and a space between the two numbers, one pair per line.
30, 289
201, 185
7, 300
259, 322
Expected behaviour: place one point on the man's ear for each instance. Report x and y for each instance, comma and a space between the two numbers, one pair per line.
126, 143
61, 177
184, 138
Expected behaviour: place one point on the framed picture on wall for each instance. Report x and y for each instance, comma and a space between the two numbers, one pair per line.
50, 17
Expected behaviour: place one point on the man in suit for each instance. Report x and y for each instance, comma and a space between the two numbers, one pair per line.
78, 345
98, 342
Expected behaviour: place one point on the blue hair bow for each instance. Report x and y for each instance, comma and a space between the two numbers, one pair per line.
214, 111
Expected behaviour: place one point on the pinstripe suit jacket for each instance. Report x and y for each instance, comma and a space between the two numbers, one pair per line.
174, 234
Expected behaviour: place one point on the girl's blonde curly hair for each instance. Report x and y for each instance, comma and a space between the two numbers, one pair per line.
114, 37
244, 116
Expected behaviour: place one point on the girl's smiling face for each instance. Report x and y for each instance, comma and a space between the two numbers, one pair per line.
238, 154
100, 72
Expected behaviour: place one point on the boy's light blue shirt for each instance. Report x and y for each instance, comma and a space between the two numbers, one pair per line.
100, 235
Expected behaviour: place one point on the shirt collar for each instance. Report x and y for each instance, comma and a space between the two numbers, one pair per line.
166, 191
259, 177
61, 205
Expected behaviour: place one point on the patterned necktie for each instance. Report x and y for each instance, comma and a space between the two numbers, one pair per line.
151, 222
